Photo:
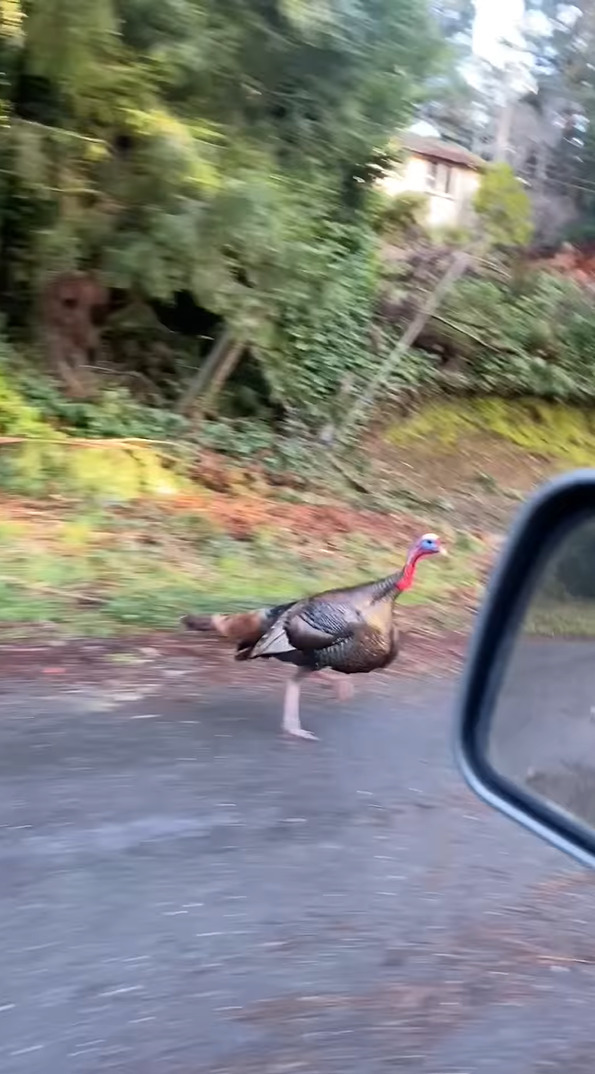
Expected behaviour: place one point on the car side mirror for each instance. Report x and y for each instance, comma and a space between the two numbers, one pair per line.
526, 730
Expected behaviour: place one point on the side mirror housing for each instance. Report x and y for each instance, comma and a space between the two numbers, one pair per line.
526, 723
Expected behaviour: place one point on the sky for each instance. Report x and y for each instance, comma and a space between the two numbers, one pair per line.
494, 20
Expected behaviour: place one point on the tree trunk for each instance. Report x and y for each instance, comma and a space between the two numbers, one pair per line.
228, 362
456, 269
206, 384
203, 375
214, 371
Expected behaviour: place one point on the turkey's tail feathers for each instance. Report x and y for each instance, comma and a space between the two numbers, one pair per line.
240, 627
243, 629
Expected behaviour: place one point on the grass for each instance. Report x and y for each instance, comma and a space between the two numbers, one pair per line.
561, 618
149, 565
148, 543
152, 551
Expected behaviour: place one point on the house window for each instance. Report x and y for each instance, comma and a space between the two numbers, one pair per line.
439, 178
432, 176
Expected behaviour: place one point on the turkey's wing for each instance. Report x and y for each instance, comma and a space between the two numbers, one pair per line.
307, 626
321, 623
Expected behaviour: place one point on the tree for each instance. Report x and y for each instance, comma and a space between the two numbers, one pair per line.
207, 146
177, 121
503, 207
562, 43
450, 98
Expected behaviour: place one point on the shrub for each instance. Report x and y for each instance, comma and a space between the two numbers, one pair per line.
319, 350
113, 413
504, 207
47, 459
539, 341
397, 216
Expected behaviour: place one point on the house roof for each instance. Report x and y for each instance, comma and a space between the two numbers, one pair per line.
436, 149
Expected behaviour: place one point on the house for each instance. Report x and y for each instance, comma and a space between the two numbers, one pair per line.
447, 173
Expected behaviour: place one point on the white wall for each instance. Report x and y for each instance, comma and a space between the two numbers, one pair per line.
446, 208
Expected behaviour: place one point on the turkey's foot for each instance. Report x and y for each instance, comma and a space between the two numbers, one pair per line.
341, 685
300, 732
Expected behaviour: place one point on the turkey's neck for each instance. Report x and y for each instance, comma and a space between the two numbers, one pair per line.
399, 582
404, 579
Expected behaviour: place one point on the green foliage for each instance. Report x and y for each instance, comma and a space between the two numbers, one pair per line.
72, 44
398, 216
280, 455
45, 457
18, 417
215, 147
504, 207
114, 413
452, 235
181, 145
240, 439
319, 351
536, 341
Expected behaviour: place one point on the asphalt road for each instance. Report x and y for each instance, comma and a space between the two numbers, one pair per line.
183, 892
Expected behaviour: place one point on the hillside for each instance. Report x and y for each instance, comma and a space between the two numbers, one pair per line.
234, 537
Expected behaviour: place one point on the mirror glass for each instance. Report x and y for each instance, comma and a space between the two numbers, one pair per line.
542, 729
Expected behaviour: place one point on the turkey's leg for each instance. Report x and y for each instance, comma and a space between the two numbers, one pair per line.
291, 707
341, 684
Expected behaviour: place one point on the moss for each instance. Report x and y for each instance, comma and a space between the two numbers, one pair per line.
551, 430
114, 472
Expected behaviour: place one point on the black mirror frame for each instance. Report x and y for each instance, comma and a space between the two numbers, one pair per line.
555, 507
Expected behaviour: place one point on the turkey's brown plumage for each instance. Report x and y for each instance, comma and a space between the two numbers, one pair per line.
350, 630
347, 630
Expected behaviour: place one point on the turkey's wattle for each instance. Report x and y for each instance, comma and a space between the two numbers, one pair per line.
329, 635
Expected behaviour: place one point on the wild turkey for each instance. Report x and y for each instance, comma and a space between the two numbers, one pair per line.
347, 631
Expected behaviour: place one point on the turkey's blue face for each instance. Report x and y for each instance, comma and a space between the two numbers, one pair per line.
429, 545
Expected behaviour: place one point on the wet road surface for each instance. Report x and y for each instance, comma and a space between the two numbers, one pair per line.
183, 891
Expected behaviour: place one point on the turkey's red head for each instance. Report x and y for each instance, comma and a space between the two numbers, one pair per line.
427, 545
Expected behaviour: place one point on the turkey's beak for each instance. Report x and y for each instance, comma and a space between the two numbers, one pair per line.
443, 551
